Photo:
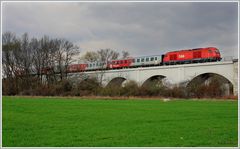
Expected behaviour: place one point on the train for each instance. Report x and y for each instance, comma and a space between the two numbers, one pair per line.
208, 54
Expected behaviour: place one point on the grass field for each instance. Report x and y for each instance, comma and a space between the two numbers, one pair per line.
72, 122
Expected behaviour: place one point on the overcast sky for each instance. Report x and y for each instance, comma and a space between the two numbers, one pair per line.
140, 28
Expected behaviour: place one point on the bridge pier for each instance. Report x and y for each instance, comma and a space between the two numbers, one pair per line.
235, 78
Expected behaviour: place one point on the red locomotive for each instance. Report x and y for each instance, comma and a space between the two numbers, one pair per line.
192, 55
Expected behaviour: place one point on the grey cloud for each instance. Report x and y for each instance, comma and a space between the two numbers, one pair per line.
141, 28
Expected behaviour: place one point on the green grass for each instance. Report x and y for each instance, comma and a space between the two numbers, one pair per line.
72, 122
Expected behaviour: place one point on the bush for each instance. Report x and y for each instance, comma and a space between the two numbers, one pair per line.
176, 92
89, 86
110, 91
130, 89
9, 86
213, 88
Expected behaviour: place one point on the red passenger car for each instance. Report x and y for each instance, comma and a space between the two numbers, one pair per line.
76, 67
120, 63
192, 55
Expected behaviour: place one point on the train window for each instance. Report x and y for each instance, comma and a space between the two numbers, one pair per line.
133, 60
147, 59
142, 60
138, 60
90, 65
210, 51
121, 62
155, 58
93, 64
126, 61
152, 58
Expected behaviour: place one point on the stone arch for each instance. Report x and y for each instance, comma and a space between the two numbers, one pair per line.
116, 82
206, 78
155, 80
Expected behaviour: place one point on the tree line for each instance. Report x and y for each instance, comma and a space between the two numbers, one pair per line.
25, 58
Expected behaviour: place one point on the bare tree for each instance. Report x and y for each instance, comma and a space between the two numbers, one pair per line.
106, 55
9, 42
25, 61
10, 45
103, 55
125, 54
70, 51
37, 60
64, 56
90, 56
47, 59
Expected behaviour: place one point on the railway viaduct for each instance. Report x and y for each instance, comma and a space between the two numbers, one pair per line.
172, 74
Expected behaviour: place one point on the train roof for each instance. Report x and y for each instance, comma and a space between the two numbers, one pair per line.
122, 59
191, 49
147, 56
186, 50
136, 57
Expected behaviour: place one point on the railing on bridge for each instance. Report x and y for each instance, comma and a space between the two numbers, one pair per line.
228, 58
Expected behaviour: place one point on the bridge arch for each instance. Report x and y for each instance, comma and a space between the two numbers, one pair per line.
116, 82
155, 80
224, 83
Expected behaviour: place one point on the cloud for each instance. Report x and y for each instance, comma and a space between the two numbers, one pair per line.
141, 28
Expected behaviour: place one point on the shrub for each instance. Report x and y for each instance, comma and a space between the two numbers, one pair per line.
130, 89
89, 86
176, 92
9, 86
111, 91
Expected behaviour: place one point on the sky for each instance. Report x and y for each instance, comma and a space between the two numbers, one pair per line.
139, 28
